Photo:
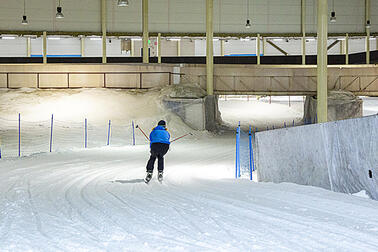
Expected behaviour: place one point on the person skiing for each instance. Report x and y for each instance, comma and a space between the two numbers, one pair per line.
159, 145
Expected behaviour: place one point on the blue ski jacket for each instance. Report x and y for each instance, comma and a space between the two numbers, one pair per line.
160, 135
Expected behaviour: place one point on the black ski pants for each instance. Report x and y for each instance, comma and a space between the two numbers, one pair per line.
158, 150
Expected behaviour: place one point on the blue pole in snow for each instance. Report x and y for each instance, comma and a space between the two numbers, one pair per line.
109, 132
51, 134
19, 135
237, 152
133, 133
293, 123
250, 153
285, 124
86, 133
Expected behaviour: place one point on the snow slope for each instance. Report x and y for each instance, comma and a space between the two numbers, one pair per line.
94, 199
261, 114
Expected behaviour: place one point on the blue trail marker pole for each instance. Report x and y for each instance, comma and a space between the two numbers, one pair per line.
285, 124
86, 134
51, 134
109, 132
19, 135
250, 153
293, 123
133, 132
237, 162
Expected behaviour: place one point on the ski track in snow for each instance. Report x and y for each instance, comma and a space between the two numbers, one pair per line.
95, 200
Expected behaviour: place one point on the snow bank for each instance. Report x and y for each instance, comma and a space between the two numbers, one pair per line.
341, 156
70, 107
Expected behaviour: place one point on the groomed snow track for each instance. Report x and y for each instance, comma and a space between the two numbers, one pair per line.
96, 200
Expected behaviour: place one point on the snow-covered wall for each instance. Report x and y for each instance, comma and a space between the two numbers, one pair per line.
341, 156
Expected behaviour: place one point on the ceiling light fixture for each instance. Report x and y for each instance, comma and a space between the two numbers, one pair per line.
59, 13
24, 18
248, 23
333, 13
123, 3
368, 25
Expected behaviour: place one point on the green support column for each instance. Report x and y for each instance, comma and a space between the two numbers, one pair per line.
159, 47
103, 28
322, 85
303, 23
367, 17
44, 47
132, 51
28, 47
258, 48
82, 46
145, 31
209, 48
347, 49
178, 48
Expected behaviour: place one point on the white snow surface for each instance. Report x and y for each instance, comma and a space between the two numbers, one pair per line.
95, 199
260, 113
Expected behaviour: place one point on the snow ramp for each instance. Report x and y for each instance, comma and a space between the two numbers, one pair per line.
341, 156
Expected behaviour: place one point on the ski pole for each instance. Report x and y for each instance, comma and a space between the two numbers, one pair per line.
142, 132
181, 137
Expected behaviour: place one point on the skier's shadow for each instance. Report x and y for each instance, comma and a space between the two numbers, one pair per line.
132, 181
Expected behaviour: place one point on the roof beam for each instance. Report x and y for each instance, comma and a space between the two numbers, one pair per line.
333, 44
277, 47
186, 34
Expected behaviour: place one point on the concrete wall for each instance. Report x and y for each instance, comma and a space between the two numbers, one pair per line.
294, 79
336, 156
84, 75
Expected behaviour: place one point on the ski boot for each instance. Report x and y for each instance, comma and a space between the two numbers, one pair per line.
160, 177
148, 177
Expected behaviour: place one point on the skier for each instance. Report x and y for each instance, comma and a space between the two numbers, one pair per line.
159, 144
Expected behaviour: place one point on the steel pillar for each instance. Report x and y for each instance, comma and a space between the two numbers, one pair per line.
132, 50
82, 46
258, 48
209, 48
347, 49
303, 23
322, 95
178, 48
159, 47
28, 47
103, 29
44, 47
367, 17
145, 31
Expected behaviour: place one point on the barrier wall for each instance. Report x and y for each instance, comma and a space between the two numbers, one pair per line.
341, 156
132, 76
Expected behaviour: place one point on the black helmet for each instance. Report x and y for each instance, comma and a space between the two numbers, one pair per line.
162, 123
